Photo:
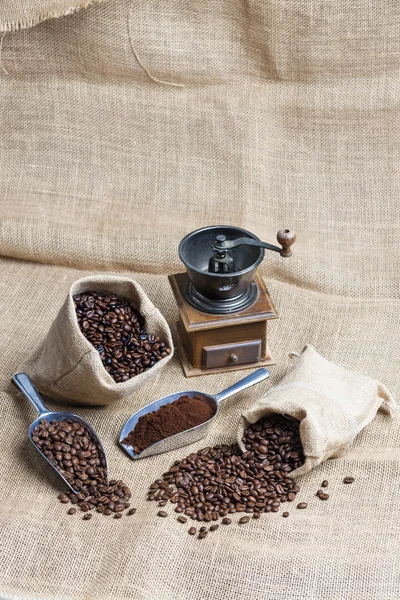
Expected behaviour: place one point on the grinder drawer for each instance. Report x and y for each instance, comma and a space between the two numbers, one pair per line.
228, 355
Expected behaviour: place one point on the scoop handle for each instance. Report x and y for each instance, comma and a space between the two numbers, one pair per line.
25, 384
237, 387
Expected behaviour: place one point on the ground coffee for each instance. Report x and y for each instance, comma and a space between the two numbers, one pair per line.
116, 330
71, 448
183, 414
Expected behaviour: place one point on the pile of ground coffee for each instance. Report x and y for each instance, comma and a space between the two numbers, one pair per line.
180, 415
115, 328
215, 482
71, 448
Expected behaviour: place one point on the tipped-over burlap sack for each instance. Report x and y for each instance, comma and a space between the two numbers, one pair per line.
66, 366
332, 403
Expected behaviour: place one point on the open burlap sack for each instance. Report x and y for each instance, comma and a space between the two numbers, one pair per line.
66, 366
332, 403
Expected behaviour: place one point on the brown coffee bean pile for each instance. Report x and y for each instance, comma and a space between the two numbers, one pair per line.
215, 482
115, 328
71, 448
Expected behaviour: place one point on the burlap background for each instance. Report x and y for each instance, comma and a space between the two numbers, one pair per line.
288, 118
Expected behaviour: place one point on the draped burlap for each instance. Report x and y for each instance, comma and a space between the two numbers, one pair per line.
284, 114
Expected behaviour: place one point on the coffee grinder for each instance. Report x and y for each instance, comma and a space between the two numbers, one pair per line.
223, 303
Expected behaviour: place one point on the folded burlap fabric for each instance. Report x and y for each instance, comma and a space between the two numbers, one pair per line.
332, 403
67, 366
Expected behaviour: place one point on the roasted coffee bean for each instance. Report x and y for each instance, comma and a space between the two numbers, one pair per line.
214, 527
226, 521
302, 505
72, 511
285, 514
162, 513
131, 511
107, 512
323, 496
116, 329
256, 515
87, 516
118, 516
64, 500
182, 519
345, 480
244, 520
192, 531
325, 483
202, 535
202, 529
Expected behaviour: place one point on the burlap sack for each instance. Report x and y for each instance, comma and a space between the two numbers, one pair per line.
66, 366
332, 403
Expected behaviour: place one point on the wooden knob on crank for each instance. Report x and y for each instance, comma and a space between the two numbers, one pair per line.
286, 238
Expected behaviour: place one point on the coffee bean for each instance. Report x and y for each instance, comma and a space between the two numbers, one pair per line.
72, 511
118, 516
348, 480
107, 512
182, 519
285, 514
87, 516
214, 527
192, 531
323, 496
202, 535
256, 515
302, 505
202, 529
325, 483
116, 329
226, 521
64, 500
131, 511
243, 520
162, 513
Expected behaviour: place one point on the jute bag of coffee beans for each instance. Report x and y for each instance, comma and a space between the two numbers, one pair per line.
332, 403
67, 366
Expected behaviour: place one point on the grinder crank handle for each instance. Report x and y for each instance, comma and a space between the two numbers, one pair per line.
284, 237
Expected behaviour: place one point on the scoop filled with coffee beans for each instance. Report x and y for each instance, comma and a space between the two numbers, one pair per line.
72, 448
116, 329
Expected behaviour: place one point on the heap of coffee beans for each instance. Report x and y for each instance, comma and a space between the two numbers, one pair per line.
215, 482
76, 454
115, 328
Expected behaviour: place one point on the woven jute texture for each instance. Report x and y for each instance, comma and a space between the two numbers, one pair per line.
288, 118
332, 404
66, 366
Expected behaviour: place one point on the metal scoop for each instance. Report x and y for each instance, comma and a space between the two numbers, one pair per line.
189, 436
23, 382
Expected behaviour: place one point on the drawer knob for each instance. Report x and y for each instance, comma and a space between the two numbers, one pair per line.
233, 357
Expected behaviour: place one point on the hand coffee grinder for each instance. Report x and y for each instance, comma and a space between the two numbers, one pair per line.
223, 303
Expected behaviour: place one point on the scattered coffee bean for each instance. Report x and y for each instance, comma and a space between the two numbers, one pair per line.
323, 496
256, 515
72, 511
131, 511
285, 514
118, 515
116, 329
325, 483
214, 527
64, 500
107, 512
162, 513
202, 529
202, 535
192, 531
87, 516
226, 521
244, 520
182, 519
215, 482
302, 505
348, 480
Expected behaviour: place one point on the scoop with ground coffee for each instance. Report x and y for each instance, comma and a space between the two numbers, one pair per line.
180, 415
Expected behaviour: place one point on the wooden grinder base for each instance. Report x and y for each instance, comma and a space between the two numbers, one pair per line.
209, 343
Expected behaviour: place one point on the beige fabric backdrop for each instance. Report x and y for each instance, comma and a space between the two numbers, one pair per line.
288, 117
